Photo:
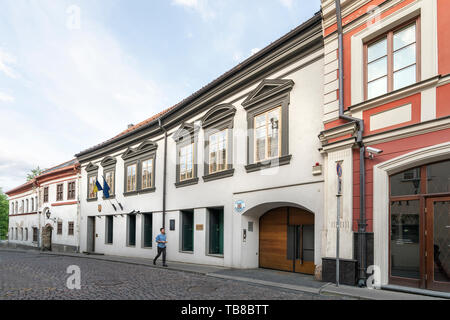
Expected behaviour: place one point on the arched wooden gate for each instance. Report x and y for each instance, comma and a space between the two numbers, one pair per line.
286, 240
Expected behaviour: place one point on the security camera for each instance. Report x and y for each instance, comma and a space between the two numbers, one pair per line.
372, 151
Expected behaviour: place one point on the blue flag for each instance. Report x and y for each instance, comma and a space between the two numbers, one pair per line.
106, 189
97, 186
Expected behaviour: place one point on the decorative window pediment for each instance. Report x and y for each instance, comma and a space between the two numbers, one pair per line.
185, 131
268, 89
108, 161
218, 114
129, 153
91, 167
147, 145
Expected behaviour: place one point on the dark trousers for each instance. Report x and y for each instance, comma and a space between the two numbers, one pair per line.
163, 251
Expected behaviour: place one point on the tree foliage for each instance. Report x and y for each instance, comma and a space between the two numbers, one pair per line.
4, 212
34, 173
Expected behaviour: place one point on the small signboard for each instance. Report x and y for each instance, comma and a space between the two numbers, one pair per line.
172, 224
199, 227
239, 206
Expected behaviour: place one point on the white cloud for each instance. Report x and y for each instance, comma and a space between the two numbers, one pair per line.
88, 88
202, 7
6, 59
4, 97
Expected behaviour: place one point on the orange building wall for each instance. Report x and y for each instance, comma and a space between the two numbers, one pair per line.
443, 36
391, 150
443, 101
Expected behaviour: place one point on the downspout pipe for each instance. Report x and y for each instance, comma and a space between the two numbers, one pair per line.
359, 140
164, 174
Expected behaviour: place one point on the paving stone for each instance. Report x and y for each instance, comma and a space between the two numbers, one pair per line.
30, 275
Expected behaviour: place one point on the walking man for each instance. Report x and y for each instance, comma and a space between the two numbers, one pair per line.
161, 241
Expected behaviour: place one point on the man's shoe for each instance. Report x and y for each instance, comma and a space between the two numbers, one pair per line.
165, 265
154, 263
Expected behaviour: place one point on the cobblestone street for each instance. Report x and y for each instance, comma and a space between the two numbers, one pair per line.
31, 275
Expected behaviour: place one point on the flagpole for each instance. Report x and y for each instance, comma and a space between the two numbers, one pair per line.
104, 180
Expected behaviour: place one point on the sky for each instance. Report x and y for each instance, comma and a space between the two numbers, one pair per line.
75, 73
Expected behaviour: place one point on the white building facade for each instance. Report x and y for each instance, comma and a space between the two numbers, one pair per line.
233, 172
44, 211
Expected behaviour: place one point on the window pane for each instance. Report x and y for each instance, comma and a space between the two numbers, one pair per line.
273, 144
441, 241
260, 148
438, 177
260, 120
405, 247
405, 57
377, 50
406, 183
404, 37
404, 77
377, 88
377, 69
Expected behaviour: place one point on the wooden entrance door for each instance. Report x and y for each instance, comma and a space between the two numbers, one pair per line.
438, 244
287, 240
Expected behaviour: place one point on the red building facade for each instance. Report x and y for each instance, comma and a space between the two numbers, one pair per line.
395, 76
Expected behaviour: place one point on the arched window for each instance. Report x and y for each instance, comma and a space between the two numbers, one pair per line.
12, 208
28, 206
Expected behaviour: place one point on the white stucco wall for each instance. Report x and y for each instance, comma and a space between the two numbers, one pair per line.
290, 184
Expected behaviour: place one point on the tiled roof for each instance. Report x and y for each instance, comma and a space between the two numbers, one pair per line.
60, 166
43, 173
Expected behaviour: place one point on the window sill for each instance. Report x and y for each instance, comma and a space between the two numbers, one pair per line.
215, 255
188, 252
186, 183
148, 190
91, 200
110, 197
219, 175
130, 193
137, 192
147, 248
276, 162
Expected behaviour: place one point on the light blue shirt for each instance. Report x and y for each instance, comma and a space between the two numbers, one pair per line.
161, 237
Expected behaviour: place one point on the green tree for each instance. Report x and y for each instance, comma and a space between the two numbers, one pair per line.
4, 213
34, 173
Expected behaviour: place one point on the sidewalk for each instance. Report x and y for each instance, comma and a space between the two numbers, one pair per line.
265, 277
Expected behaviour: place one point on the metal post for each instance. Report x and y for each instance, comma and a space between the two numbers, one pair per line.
338, 217
338, 197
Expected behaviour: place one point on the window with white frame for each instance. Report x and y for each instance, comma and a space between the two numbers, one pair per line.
131, 177
91, 185
186, 156
218, 151
267, 134
392, 60
147, 173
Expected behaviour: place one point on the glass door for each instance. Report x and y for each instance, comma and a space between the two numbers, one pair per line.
438, 243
